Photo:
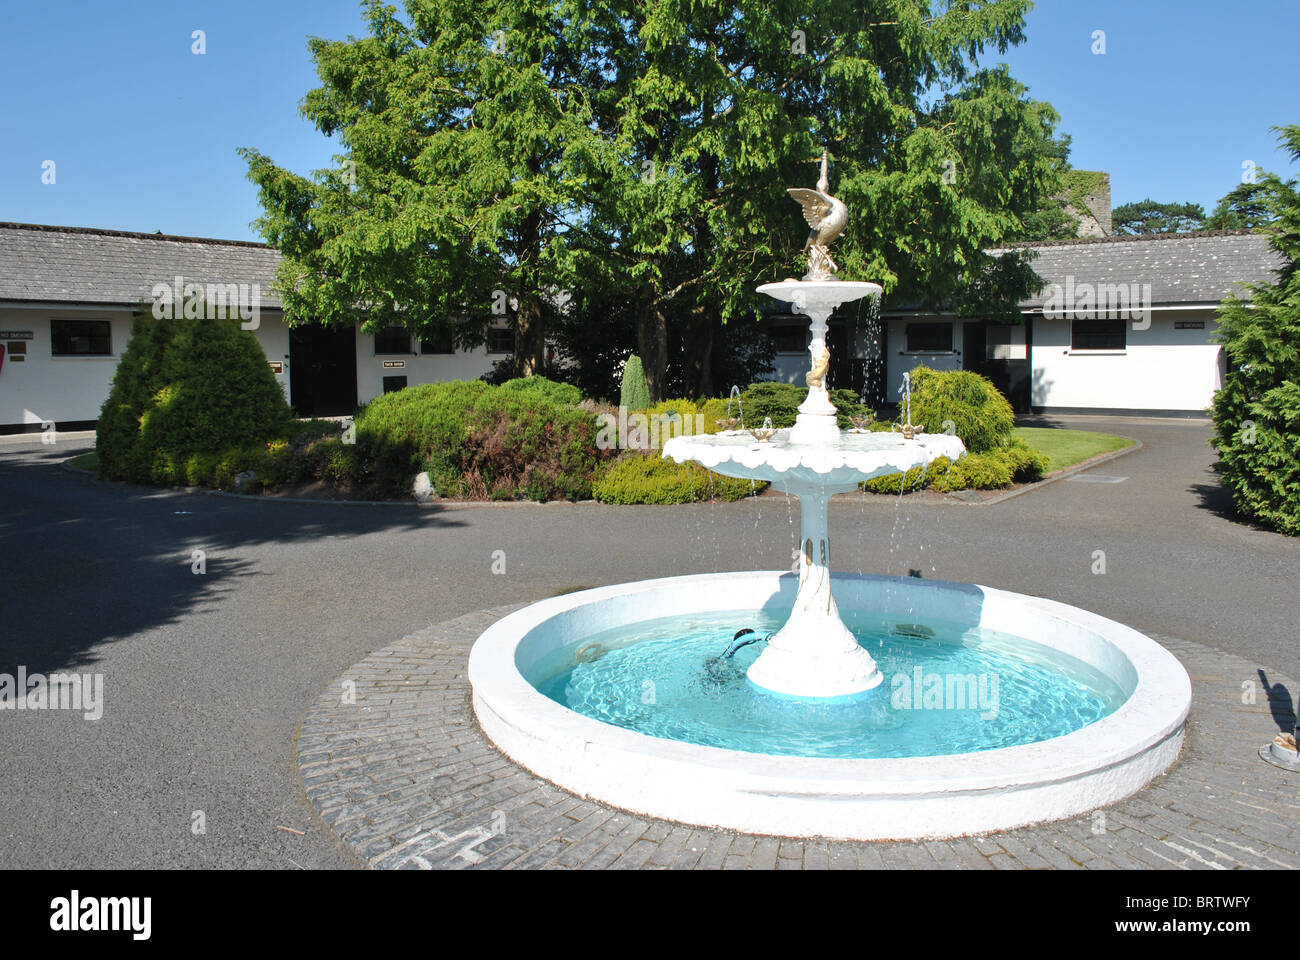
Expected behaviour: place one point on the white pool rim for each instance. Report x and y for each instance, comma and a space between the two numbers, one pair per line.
851, 799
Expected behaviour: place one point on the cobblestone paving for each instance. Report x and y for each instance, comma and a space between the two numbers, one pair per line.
393, 760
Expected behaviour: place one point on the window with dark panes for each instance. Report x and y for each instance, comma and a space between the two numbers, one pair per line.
81, 338
790, 339
1099, 333
393, 340
501, 340
438, 343
929, 338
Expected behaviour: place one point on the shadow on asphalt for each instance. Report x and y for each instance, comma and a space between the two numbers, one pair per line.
84, 562
1279, 703
1217, 499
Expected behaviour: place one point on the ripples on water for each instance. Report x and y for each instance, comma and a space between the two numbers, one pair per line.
958, 690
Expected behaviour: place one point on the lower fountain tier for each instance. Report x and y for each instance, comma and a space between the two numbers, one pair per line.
837, 465
814, 655
851, 799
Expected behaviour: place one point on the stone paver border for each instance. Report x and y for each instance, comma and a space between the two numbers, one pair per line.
394, 762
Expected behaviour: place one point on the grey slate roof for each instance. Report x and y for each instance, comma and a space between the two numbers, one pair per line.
80, 265
84, 266
1202, 267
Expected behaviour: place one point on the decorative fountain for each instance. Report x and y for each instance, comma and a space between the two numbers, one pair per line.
602, 694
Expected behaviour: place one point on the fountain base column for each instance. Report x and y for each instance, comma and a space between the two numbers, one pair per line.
814, 654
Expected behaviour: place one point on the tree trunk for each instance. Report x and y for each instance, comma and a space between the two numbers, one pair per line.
701, 323
652, 345
530, 336
699, 337
530, 332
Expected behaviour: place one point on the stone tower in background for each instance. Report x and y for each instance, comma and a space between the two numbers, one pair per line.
1087, 199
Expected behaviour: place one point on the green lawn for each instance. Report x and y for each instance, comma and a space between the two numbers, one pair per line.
1068, 447
86, 461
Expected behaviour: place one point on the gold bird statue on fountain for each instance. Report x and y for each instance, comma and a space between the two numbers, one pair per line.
828, 217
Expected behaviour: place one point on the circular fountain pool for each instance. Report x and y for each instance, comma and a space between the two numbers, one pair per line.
996, 709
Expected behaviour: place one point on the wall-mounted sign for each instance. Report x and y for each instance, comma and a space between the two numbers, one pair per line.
277, 366
390, 364
1189, 324
17, 335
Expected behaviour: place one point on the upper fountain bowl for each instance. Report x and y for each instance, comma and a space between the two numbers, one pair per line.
817, 296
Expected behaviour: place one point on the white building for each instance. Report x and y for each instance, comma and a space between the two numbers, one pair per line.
1122, 326
67, 297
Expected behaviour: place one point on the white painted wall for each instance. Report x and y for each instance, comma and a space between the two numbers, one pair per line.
273, 335
431, 368
1160, 368
900, 361
44, 387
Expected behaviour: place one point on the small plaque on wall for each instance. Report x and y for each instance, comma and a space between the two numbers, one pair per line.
277, 366
1189, 324
391, 364
16, 335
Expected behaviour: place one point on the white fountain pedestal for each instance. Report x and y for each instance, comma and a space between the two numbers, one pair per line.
817, 299
813, 654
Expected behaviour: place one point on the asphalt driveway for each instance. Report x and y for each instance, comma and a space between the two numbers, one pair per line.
207, 675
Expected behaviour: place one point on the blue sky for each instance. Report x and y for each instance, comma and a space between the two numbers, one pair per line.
143, 132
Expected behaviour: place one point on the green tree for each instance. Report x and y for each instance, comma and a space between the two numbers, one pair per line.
715, 108
642, 151
464, 128
1148, 216
1257, 412
1247, 206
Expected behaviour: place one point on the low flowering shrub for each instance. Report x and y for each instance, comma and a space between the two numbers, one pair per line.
561, 393
1017, 462
639, 478
918, 478
522, 445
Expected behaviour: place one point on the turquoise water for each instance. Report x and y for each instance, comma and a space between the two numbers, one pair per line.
947, 689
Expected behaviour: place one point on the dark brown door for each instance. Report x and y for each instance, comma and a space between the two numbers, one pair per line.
322, 370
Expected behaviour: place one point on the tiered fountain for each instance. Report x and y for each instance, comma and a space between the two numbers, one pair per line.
602, 693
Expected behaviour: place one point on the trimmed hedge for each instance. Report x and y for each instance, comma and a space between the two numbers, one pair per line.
980, 414
635, 391
480, 442
419, 428
186, 388
552, 390
1257, 411
522, 445
780, 401
638, 478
